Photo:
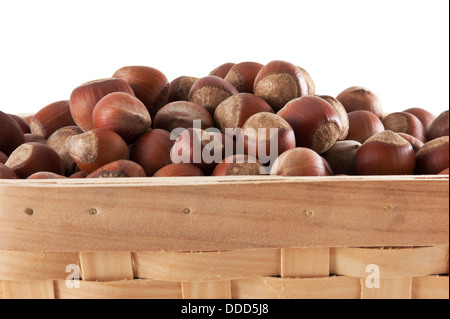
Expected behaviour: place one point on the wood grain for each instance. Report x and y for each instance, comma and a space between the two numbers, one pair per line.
223, 213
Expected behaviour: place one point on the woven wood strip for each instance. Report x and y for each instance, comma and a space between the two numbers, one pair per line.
305, 262
122, 289
333, 287
220, 289
29, 289
387, 288
392, 262
106, 266
36, 265
207, 266
430, 287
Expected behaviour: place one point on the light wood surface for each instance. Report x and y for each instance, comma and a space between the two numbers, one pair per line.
178, 214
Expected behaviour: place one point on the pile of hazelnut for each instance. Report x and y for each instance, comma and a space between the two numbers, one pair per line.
136, 123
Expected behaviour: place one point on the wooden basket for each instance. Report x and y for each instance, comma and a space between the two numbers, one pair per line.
229, 237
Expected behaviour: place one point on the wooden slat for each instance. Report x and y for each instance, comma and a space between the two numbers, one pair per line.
430, 287
297, 288
206, 266
220, 289
225, 213
305, 262
106, 266
35, 265
29, 289
388, 288
391, 262
123, 289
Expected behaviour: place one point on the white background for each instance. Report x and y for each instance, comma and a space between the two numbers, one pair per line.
397, 48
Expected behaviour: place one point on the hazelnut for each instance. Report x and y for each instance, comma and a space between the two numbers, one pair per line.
58, 142
232, 112
122, 113
385, 153
242, 75
300, 161
179, 169
222, 70
238, 164
315, 122
182, 114
444, 172
3, 158
362, 125
46, 175
209, 91
84, 98
404, 122
22, 122
359, 98
202, 148
415, 142
149, 85
439, 127
423, 115
432, 157
279, 82
152, 150
265, 136
11, 134
6, 172
119, 168
50, 118
30, 137
341, 157
179, 88
95, 148
34, 157
339, 108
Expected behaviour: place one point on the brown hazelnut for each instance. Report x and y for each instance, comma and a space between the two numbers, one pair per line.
300, 161
11, 134
84, 98
404, 122
3, 158
50, 118
119, 168
265, 136
46, 175
202, 148
359, 98
444, 171
432, 157
179, 169
341, 157
122, 113
58, 142
439, 127
34, 157
179, 88
415, 142
385, 153
6, 172
22, 122
209, 91
222, 70
423, 115
152, 150
362, 125
149, 85
79, 174
339, 108
242, 75
95, 148
182, 114
30, 137
315, 122
232, 112
239, 164
279, 82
